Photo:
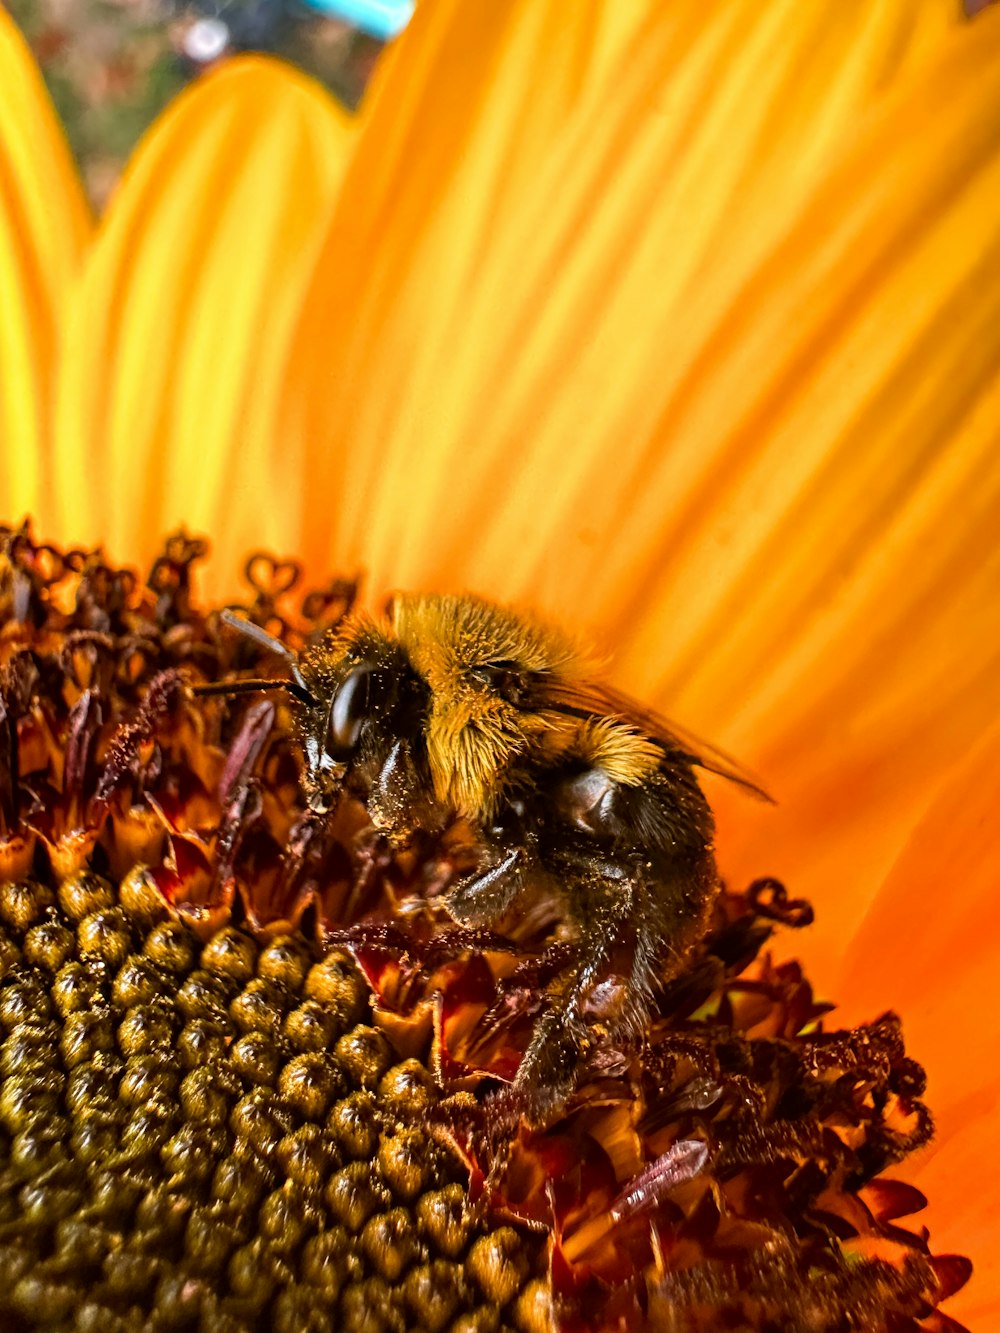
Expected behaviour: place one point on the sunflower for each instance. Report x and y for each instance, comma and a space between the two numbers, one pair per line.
680, 325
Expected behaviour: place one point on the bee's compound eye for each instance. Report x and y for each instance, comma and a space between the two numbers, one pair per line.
358, 697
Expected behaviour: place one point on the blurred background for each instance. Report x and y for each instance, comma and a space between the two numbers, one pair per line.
111, 65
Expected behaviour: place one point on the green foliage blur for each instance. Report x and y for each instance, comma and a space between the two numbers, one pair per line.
112, 65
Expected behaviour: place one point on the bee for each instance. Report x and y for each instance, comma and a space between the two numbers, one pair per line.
453, 708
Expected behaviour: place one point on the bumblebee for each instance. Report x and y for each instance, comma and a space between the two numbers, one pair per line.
453, 708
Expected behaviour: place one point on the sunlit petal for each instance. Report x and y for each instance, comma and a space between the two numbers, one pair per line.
521, 264
44, 223
180, 330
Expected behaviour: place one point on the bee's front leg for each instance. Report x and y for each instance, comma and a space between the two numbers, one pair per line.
480, 898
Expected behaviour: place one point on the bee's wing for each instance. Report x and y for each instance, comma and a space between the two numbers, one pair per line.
595, 699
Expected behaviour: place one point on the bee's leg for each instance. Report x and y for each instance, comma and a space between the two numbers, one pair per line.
549, 1067
672, 912
485, 895
657, 916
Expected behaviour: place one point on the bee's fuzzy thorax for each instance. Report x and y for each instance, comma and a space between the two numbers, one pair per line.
473, 735
445, 635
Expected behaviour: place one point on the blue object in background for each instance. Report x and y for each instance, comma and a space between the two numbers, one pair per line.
379, 18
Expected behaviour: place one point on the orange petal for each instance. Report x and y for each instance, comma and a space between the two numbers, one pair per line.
699, 345
44, 224
928, 945
888, 678
521, 268
180, 329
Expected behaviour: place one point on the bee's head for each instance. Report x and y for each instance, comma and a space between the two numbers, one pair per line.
363, 729
361, 717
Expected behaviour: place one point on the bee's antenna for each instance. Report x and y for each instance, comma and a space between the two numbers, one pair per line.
261, 636
252, 687
296, 686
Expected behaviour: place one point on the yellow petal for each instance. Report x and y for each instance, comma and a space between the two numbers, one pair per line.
701, 349
544, 224
44, 223
180, 328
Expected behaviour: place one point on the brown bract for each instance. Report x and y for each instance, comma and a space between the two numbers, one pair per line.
254, 1076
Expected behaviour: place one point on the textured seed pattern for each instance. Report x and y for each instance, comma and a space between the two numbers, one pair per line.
211, 1136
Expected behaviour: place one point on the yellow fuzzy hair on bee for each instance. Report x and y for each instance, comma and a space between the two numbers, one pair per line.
474, 735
